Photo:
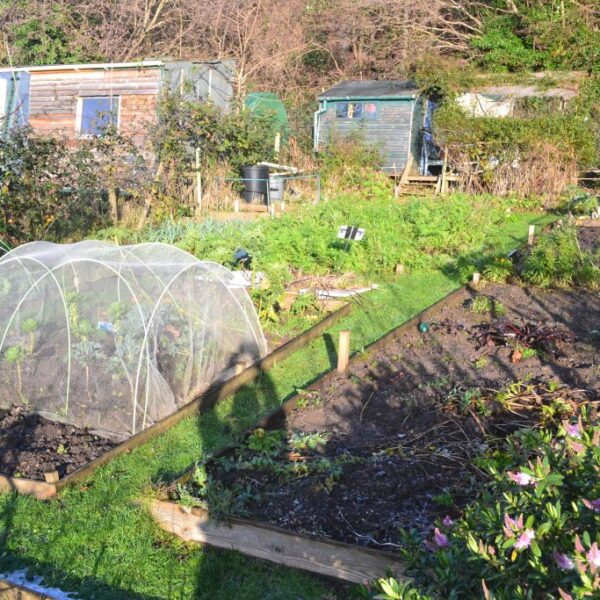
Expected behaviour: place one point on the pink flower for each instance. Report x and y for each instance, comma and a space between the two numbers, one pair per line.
512, 526
440, 541
593, 557
572, 430
576, 447
578, 545
525, 539
521, 478
592, 504
447, 522
563, 561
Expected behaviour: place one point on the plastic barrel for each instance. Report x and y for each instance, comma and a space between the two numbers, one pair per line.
256, 183
276, 188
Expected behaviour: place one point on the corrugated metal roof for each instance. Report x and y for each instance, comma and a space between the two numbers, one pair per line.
396, 88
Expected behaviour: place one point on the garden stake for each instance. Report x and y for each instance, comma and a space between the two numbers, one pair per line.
343, 351
531, 236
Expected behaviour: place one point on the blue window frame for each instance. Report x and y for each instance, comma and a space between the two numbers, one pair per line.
356, 110
97, 114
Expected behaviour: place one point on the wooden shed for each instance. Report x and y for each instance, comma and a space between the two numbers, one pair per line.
389, 115
76, 101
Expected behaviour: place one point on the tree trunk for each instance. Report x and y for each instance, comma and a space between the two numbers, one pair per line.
114, 205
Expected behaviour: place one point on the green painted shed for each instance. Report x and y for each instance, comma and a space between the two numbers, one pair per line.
390, 115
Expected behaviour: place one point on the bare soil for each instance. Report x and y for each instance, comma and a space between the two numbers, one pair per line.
31, 445
589, 238
401, 431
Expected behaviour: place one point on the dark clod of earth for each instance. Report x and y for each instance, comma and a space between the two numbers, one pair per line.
31, 445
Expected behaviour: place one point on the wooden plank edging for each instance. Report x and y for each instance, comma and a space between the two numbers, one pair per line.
332, 558
14, 591
220, 390
325, 557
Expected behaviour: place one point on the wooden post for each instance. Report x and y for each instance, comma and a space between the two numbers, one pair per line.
476, 278
51, 476
114, 205
343, 351
405, 175
444, 180
198, 181
277, 143
531, 236
236, 206
400, 269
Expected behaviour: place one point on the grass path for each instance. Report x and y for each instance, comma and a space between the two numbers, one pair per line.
96, 540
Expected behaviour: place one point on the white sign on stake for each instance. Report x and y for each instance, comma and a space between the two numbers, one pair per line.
349, 232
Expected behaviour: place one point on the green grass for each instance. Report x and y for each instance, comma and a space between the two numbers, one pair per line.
97, 540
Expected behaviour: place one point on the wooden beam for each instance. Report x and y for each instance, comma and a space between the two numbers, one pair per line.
29, 487
405, 174
326, 557
13, 591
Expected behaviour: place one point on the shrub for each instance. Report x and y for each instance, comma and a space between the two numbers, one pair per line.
556, 260
46, 189
534, 531
347, 161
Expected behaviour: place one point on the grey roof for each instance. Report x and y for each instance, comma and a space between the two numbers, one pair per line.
397, 88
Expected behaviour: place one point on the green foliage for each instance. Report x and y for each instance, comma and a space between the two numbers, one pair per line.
305, 303
47, 40
556, 260
503, 49
580, 203
14, 354
51, 191
538, 35
266, 442
483, 305
392, 589
499, 270
348, 161
534, 530
238, 138
489, 140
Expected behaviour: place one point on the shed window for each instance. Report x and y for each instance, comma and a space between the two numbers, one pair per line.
97, 114
356, 110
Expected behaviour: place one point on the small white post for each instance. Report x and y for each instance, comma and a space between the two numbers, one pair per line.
399, 269
236, 206
239, 367
277, 142
343, 351
476, 278
531, 236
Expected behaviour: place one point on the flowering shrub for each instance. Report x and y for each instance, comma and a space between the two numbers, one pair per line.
534, 532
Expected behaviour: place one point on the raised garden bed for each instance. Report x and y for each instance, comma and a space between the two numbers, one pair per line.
393, 443
40, 457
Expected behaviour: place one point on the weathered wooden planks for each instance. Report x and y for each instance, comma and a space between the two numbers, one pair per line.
326, 557
53, 98
39, 489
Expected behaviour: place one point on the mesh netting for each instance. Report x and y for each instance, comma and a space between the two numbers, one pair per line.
115, 338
